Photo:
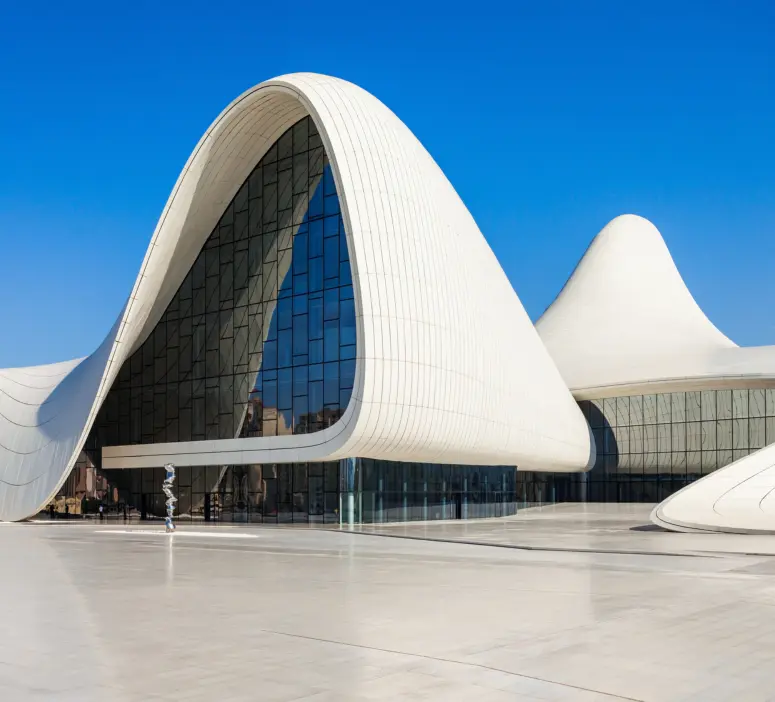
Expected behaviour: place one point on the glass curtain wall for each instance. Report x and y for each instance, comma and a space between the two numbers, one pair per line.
353, 490
260, 338
270, 493
387, 491
650, 446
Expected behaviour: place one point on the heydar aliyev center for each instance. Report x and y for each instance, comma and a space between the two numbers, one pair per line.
320, 332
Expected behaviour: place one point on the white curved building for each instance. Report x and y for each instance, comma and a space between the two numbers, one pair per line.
315, 294
669, 398
626, 323
320, 332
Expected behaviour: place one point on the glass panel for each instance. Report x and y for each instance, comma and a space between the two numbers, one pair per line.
694, 436
663, 408
739, 403
756, 432
649, 409
756, 403
724, 404
664, 438
769, 402
740, 433
623, 411
636, 409
709, 461
708, 405
678, 462
609, 410
596, 414
636, 439
650, 437
724, 458
650, 463
724, 432
678, 409
621, 436
679, 436
693, 404
708, 436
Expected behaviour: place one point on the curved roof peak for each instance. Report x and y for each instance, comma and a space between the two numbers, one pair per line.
627, 224
624, 302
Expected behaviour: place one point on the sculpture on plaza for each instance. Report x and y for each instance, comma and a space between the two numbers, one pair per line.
169, 479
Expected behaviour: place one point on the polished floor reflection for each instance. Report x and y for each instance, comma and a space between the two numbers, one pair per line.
590, 605
593, 527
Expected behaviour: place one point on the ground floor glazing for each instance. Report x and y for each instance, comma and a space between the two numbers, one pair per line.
348, 491
650, 446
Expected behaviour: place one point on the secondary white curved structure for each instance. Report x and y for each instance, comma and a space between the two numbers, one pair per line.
449, 367
626, 323
45, 414
626, 326
739, 498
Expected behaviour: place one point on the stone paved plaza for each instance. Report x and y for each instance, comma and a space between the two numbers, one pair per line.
581, 604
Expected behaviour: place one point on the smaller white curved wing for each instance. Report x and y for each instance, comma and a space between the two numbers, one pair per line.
44, 418
739, 498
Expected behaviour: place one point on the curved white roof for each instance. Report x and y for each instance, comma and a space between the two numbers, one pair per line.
625, 323
449, 367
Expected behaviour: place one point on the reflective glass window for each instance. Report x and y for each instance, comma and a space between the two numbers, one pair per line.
265, 298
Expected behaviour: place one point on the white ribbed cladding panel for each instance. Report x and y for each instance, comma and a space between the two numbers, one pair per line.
449, 367
739, 498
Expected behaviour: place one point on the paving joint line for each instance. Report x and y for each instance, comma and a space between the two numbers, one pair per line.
438, 659
550, 549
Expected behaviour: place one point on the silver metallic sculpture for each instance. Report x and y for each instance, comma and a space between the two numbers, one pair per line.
171, 499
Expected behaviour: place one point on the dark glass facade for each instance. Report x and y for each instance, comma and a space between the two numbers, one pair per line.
260, 338
649, 446
353, 490
385, 491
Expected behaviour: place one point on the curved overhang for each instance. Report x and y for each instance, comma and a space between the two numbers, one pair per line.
440, 376
719, 369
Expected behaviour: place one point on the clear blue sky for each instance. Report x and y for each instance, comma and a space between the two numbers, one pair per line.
550, 118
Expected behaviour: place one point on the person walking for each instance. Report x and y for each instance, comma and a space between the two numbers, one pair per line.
101, 508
